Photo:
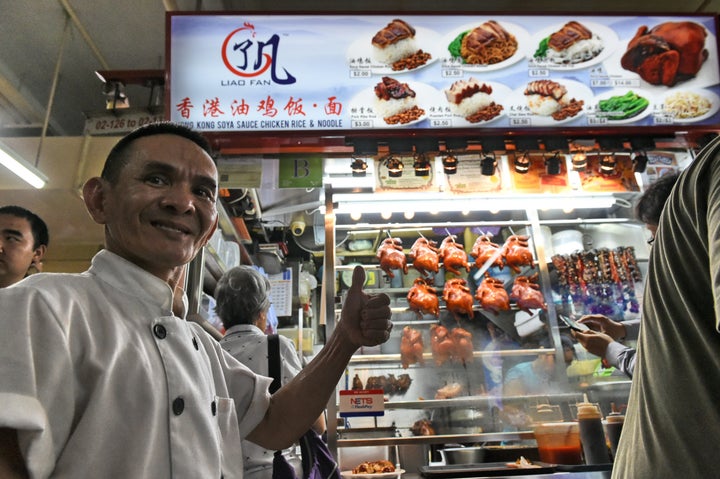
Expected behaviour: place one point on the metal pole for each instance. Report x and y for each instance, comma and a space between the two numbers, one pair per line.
56, 76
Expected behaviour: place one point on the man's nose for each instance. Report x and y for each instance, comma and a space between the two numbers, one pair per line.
179, 198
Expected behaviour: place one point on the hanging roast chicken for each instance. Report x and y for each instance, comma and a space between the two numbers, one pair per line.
411, 347
424, 256
492, 296
667, 53
453, 256
391, 256
517, 253
526, 293
423, 298
462, 339
484, 249
458, 298
447, 345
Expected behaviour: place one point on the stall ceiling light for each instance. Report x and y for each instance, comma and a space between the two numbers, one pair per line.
378, 203
15, 163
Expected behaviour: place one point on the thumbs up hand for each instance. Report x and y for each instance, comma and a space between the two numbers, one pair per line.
365, 318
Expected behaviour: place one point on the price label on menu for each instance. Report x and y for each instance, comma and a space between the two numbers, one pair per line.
452, 73
362, 123
600, 82
538, 72
596, 120
664, 120
360, 73
442, 123
520, 121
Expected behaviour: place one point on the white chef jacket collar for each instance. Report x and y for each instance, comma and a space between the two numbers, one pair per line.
131, 279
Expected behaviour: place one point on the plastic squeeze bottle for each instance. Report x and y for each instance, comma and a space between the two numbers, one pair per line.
613, 425
592, 435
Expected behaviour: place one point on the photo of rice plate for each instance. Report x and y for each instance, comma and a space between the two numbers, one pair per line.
393, 103
398, 47
476, 101
574, 45
549, 102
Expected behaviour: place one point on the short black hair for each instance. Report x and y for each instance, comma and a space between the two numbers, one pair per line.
37, 225
117, 159
651, 203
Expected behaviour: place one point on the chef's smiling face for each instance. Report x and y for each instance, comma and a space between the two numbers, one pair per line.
162, 209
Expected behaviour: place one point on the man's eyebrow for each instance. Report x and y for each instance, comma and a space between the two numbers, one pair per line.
9, 231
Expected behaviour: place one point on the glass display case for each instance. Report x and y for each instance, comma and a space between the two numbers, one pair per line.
459, 332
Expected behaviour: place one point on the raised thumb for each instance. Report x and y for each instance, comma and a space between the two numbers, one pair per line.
358, 280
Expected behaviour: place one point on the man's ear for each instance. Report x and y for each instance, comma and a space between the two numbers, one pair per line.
38, 255
94, 197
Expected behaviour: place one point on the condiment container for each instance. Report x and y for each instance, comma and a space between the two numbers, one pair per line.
613, 427
592, 434
558, 442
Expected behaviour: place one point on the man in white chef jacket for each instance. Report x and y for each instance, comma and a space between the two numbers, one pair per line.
98, 377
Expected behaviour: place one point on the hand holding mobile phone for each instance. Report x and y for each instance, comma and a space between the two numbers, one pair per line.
574, 325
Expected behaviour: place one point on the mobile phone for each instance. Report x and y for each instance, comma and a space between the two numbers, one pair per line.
573, 324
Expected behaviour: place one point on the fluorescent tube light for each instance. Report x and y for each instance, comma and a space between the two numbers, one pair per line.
14, 162
376, 203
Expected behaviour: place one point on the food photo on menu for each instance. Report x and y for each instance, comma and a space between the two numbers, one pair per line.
668, 53
572, 44
395, 45
396, 102
473, 100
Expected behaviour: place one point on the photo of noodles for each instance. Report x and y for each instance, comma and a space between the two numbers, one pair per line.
689, 106
486, 44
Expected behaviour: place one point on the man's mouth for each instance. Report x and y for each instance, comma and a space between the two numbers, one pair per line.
171, 227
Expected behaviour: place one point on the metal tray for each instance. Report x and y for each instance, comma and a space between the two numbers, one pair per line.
487, 469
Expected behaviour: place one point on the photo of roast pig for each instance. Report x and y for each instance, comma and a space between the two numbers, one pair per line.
668, 53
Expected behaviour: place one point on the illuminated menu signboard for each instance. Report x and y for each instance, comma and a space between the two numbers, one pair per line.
380, 72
